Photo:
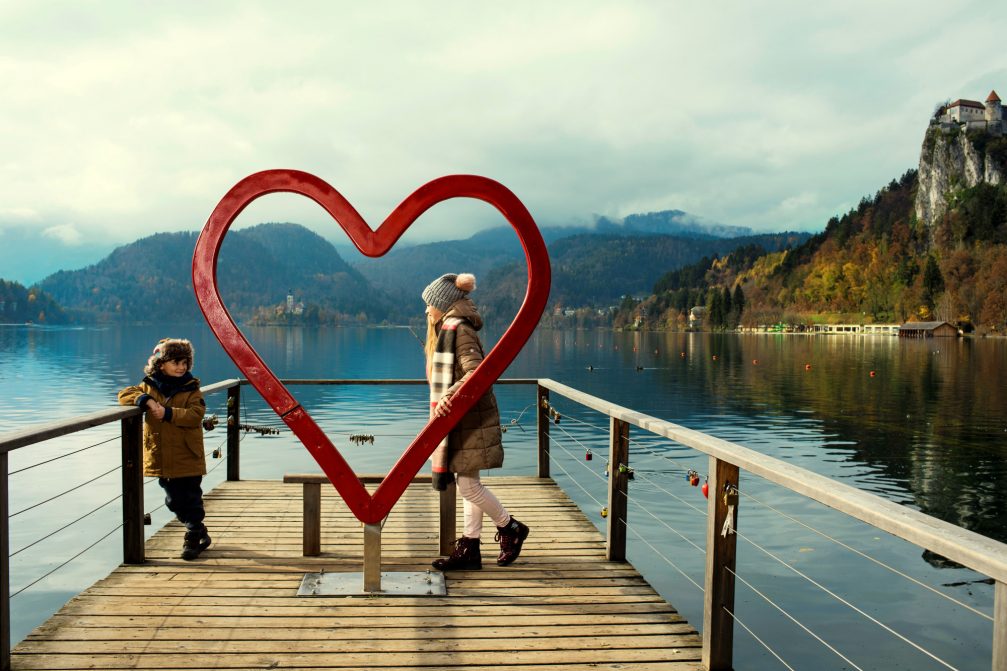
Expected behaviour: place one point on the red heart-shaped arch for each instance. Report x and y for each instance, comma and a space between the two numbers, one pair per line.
368, 509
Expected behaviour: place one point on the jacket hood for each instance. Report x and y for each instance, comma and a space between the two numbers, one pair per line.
466, 309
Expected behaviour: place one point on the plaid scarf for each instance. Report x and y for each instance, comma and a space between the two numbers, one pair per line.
441, 375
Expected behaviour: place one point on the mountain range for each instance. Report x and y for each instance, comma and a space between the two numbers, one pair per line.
149, 280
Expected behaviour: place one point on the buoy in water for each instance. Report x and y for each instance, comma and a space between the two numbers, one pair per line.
807, 366
872, 373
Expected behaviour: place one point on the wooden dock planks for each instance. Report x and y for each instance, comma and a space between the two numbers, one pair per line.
561, 606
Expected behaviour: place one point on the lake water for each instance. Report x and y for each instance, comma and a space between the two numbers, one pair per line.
927, 430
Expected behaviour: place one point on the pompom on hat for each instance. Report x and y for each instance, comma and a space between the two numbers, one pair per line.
169, 349
448, 289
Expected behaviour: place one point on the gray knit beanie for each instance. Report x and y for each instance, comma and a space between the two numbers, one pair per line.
169, 349
448, 289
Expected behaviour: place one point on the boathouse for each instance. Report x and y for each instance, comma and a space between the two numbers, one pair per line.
927, 330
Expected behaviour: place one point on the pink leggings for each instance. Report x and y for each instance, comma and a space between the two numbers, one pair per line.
478, 500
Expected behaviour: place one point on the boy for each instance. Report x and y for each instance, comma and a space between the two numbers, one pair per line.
173, 435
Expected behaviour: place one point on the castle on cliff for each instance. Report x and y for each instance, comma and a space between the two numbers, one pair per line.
971, 115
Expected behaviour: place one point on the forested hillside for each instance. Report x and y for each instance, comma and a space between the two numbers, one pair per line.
150, 280
876, 263
19, 304
597, 271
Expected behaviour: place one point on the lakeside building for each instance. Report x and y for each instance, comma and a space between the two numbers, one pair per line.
868, 329
928, 330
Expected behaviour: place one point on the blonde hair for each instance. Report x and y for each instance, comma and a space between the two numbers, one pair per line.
430, 346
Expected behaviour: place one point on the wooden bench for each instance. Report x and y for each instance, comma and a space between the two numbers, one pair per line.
311, 531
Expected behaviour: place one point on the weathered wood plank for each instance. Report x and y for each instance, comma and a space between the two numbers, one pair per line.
249, 629
352, 659
151, 625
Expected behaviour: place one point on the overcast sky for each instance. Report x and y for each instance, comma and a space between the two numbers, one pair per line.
122, 119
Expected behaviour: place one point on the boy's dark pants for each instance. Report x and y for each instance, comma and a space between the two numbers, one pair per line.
184, 497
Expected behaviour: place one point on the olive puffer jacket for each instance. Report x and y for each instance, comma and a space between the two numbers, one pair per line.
173, 446
476, 442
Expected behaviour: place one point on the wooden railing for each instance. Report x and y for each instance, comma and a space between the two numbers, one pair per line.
131, 421
727, 460
977, 552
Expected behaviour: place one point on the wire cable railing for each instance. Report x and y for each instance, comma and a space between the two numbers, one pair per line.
667, 560
653, 450
63, 456
648, 449
50, 572
67, 526
92, 511
64, 493
664, 557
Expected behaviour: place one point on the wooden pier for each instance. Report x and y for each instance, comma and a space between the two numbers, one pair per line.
561, 606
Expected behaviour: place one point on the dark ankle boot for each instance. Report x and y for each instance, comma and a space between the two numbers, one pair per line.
195, 542
466, 557
511, 538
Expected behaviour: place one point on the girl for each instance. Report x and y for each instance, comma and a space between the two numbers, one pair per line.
453, 351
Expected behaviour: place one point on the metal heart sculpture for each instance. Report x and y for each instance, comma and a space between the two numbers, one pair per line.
371, 242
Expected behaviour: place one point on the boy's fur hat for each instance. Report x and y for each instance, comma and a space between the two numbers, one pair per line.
448, 289
169, 349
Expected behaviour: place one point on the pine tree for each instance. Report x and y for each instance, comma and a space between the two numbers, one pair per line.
738, 305
715, 310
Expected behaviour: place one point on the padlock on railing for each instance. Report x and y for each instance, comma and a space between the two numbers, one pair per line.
730, 500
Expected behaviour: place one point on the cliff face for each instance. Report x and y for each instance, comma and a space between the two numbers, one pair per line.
949, 161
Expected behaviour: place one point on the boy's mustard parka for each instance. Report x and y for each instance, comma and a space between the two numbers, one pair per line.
173, 447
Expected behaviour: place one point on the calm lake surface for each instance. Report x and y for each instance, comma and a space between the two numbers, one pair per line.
927, 430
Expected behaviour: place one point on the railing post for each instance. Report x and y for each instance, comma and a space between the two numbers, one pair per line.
448, 518
718, 623
618, 489
1000, 627
4, 567
233, 432
132, 489
542, 402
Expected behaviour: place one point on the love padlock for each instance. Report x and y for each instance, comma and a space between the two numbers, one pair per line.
731, 501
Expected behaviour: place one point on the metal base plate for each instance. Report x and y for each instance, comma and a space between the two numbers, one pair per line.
399, 583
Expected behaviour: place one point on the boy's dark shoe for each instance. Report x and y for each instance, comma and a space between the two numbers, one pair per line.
511, 538
194, 543
465, 557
